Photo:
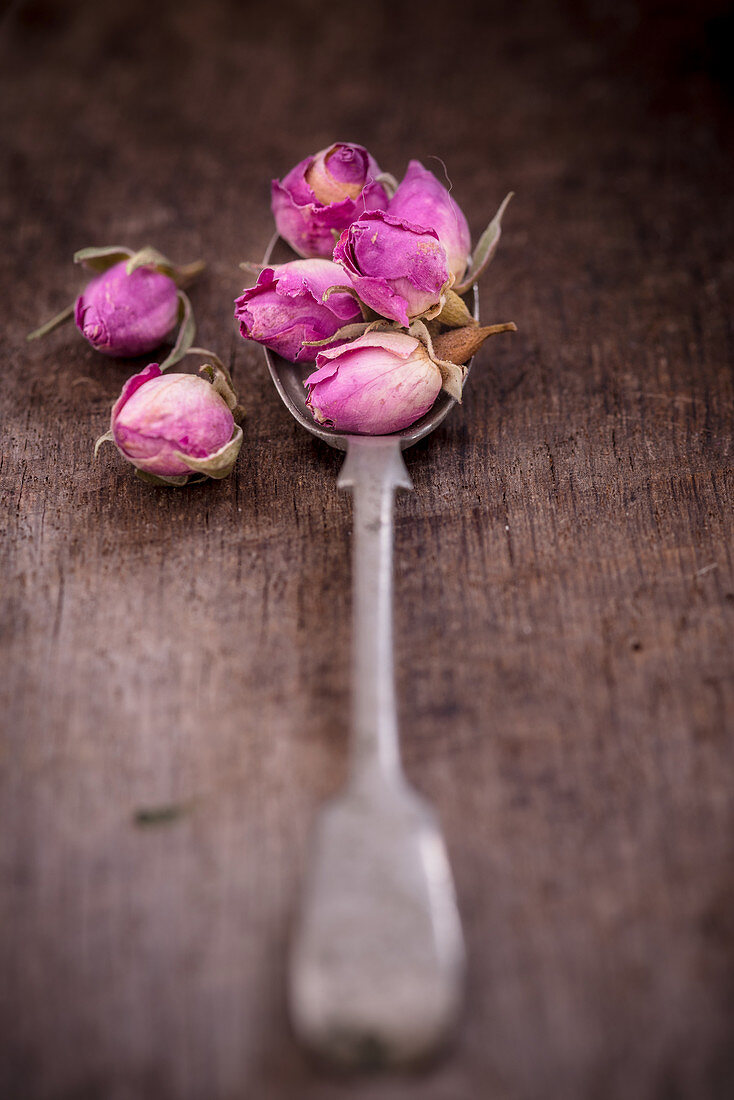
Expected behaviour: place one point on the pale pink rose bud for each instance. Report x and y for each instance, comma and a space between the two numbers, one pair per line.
374, 385
171, 425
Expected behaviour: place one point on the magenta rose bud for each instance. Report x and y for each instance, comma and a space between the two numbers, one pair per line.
323, 195
127, 315
161, 420
284, 309
422, 200
398, 269
375, 385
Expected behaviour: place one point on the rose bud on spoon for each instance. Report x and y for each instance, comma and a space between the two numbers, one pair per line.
324, 194
286, 310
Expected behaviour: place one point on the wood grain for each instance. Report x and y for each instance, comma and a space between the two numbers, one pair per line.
175, 663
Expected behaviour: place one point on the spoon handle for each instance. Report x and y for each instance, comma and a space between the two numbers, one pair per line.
377, 955
373, 470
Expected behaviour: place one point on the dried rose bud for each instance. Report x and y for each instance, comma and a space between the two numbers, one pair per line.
284, 309
132, 304
340, 172
323, 194
422, 200
375, 385
173, 425
127, 315
398, 269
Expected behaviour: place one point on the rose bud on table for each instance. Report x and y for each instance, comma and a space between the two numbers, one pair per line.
172, 426
285, 308
375, 385
324, 194
422, 200
127, 315
398, 269
132, 305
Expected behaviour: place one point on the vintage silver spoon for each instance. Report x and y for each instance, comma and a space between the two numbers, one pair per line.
377, 959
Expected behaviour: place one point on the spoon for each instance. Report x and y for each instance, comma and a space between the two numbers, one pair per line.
377, 958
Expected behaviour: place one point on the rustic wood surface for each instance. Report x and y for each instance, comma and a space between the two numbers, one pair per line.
175, 663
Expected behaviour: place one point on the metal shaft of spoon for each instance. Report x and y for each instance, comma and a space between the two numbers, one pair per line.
377, 960
373, 470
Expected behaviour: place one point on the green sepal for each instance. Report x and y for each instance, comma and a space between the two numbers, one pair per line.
452, 375
150, 257
219, 464
55, 321
182, 274
347, 332
108, 437
455, 312
437, 308
486, 248
103, 258
368, 314
382, 324
388, 182
340, 289
221, 380
186, 332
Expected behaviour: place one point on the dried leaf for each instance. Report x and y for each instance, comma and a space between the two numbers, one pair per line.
160, 815
55, 321
486, 248
101, 259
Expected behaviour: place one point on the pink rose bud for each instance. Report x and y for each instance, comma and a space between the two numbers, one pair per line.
127, 315
171, 425
323, 194
132, 304
375, 385
422, 200
284, 309
398, 269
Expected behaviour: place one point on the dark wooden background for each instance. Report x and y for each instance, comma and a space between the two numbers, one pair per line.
175, 663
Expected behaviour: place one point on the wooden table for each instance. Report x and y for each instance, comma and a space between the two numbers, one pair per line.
175, 663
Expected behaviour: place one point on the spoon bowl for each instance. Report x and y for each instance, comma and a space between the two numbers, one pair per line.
289, 379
